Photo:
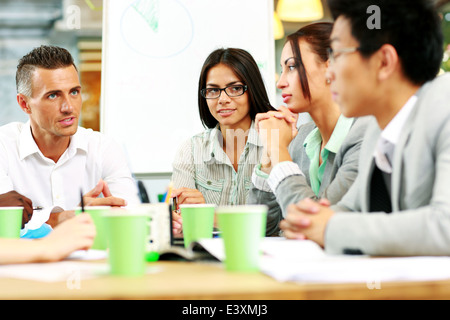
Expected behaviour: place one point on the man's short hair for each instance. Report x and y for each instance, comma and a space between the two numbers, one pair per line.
412, 27
46, 57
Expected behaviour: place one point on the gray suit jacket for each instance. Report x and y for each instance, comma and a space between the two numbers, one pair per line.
340, 172
420, 187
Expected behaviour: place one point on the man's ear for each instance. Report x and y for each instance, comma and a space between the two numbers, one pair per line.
389, 61
22, 100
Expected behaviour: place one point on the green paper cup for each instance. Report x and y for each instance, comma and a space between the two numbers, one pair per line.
198, 221
241, 232
126, 232
10, 222
97, 213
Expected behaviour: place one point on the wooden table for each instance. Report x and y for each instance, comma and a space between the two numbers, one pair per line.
179, 280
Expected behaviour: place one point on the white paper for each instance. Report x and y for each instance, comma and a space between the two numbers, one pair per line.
303, 261
214, 246
67, 270
54, 271
291, 250
274, 247
90, 254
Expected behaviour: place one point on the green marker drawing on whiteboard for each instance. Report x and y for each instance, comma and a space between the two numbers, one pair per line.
149, 10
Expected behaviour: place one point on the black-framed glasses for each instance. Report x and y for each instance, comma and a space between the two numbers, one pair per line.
333, 54
231, 91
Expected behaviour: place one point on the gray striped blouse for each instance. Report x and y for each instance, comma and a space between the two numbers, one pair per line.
202, 164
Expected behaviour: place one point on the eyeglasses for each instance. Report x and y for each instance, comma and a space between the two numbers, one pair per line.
333, 54
231, 91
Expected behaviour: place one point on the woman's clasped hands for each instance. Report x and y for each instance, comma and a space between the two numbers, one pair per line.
276, 130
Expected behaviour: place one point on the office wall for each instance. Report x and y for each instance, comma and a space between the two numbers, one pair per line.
152, 56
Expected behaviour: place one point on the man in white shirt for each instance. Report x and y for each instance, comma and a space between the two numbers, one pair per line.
51, 160
399, 203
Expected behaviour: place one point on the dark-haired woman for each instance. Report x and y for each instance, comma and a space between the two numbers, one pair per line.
215, 166
320, 160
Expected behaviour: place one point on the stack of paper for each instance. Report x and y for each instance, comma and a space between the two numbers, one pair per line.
305, 261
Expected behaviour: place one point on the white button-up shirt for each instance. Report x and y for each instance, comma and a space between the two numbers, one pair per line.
90, 156
384, 152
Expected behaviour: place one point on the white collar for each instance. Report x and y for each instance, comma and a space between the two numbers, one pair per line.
392, 131
27, 145
389, 137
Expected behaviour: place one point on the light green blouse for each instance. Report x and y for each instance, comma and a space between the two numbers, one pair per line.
312, 148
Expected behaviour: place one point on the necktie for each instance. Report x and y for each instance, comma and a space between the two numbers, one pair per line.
380, 199
389, 151
384, 155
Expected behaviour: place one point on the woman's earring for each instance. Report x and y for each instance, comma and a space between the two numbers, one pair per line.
328, 80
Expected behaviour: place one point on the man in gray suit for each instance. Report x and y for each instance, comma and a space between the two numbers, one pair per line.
385, 57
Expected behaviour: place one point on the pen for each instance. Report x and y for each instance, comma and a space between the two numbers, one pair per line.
37, 208
175, 205
82, 201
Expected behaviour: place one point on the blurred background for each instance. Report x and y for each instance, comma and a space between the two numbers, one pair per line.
77, 26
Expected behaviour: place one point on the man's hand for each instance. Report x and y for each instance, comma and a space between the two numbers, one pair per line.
15, 199
58, 215
91, 198
307, 219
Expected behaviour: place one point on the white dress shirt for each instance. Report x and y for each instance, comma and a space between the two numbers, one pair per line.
90, 156
384, 152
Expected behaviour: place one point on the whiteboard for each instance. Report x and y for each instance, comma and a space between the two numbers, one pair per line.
152, 55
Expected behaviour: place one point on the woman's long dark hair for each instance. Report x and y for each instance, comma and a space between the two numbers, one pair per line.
318, 37
246, 69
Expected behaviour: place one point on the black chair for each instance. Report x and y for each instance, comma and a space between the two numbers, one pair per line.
143, 192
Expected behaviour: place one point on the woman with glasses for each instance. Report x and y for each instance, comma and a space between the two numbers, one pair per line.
320, 159
215, 166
